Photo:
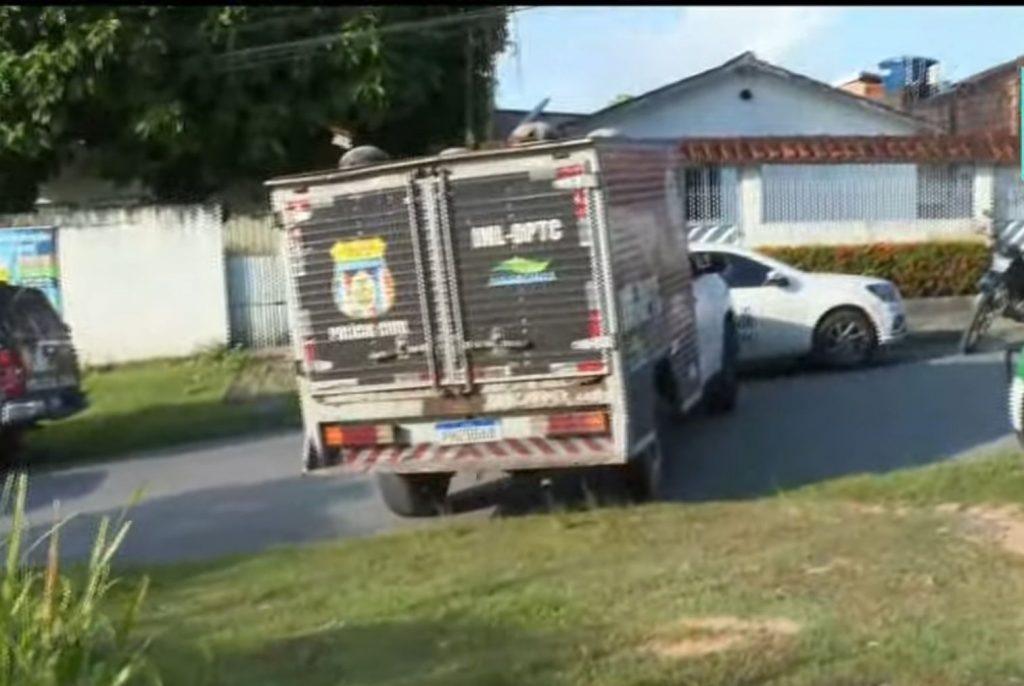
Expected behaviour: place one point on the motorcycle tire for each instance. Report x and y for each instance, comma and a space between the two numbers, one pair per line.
981, 320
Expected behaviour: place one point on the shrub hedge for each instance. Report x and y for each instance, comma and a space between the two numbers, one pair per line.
920, 270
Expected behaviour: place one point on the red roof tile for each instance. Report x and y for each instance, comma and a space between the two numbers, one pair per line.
992, 148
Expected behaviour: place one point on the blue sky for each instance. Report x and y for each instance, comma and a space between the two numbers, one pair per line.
582, 57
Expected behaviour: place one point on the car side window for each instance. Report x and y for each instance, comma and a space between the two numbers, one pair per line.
741, 272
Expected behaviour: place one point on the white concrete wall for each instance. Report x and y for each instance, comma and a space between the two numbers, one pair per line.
140, 283
860, 232
779, 107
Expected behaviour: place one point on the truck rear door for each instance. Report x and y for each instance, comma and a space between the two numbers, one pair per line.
359, 287
526, 270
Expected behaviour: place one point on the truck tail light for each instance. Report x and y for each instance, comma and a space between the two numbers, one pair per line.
591, 367
577, 424
338, 436
12, 374
309, 350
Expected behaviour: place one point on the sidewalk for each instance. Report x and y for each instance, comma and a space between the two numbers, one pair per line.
932, 315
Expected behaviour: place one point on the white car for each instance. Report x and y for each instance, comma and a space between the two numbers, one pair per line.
836, 319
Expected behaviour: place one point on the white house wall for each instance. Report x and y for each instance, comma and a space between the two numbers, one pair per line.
140, 283
779, 107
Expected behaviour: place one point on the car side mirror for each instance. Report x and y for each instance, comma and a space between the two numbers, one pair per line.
777, 279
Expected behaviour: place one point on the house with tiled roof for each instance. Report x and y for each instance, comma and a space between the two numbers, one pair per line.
747, 96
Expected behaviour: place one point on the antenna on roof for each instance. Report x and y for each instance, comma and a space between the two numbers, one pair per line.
535, 112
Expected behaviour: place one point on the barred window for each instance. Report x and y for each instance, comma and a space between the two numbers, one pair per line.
945, 192
702, 187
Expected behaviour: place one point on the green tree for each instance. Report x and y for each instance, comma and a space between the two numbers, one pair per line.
188, 99
619, 99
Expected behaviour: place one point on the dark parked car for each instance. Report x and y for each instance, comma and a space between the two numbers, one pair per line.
39, 374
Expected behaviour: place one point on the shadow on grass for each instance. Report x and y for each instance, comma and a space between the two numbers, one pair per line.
92, 437
448, 652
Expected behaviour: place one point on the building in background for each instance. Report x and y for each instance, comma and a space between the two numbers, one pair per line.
988, 101
866, 85
747, 96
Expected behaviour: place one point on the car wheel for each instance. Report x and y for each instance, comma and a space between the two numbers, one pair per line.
415, 495
844, 338
723, 389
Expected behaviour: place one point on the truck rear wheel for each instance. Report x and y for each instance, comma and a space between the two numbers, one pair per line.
414, 495
643, 474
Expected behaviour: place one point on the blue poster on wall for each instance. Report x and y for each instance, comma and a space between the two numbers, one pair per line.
28, 257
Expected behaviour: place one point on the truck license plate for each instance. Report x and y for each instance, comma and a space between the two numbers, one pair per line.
468, 431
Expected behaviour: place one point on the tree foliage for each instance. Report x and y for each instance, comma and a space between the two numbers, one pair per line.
619, 99
189, 99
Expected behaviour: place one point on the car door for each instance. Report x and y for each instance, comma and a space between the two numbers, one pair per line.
769, 316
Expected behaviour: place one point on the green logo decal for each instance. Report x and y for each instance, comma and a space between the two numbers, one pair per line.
517, 271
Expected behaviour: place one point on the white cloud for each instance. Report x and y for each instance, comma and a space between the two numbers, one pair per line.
633, 56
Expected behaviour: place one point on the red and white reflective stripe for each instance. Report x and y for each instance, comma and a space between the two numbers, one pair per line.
532, 451
586, 367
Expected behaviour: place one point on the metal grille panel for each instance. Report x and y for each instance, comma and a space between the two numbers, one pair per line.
796, 193
358, 292
709, 195
547, 307
1008, 193
256, 299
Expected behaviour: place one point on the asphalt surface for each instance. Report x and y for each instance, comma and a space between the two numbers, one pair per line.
920, 405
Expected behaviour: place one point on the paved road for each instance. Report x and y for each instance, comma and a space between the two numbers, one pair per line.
790, 429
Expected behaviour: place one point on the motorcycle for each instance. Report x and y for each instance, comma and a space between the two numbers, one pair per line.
1000, 291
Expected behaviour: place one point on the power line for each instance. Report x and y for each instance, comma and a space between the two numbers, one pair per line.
262, 56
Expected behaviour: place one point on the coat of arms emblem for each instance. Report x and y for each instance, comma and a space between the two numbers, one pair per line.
363, 286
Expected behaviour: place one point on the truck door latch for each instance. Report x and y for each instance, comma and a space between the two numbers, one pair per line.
499, 343
401, 351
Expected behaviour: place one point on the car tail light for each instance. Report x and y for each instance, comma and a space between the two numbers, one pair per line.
577, 424
338, 436
12, 374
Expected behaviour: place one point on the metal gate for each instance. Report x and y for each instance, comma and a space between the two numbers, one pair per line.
257, 301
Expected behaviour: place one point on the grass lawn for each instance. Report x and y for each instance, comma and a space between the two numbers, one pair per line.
805, 588
163, 403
